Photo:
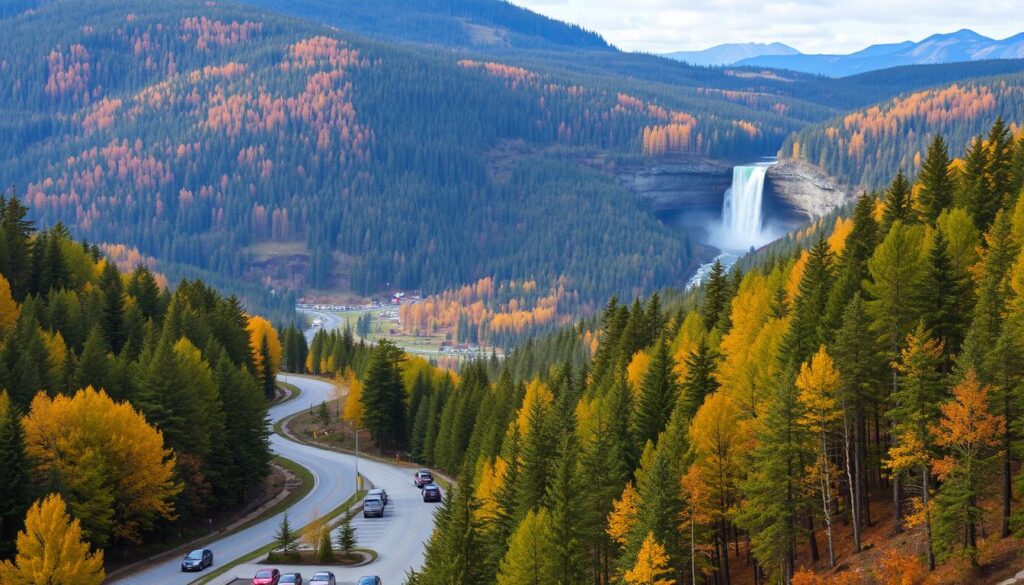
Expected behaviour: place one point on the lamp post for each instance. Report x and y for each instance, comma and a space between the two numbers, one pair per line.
357, 459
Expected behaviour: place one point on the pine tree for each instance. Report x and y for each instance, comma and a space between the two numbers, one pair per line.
346, 539
898, 203
285, 538
15, 496
999, 168
942, 291
806, 333
974, 193
716, 296
936, 181
562, 500
659, 391
700, 379
384, 395
94, 362
112, 317
325, 550
529, 560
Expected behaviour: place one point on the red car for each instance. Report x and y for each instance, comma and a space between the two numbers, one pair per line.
266, 577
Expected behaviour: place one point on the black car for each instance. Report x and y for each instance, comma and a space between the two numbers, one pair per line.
197, 560
431, 493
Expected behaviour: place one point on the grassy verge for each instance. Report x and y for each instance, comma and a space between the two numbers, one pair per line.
263, 550
283, 428
293, 392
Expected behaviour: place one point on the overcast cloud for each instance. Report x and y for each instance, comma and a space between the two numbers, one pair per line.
812, 26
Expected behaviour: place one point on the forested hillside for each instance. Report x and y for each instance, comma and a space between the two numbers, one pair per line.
90, 356
867, 147
271, 155
847, 414
194, 133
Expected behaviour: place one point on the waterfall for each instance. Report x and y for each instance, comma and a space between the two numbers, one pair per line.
741, 208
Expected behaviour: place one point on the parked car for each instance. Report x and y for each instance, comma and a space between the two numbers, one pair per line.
431, 493
422, 478
322, 578
370, 580
197, 560
380, 493
373, 506
290, 579
267, 577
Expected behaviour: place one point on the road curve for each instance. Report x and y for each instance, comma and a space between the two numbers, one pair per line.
334, 483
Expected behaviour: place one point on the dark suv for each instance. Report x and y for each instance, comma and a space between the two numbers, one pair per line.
431, 493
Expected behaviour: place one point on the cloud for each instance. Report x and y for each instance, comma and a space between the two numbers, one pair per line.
813, 26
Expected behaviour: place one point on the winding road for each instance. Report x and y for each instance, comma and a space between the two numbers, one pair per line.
399, 537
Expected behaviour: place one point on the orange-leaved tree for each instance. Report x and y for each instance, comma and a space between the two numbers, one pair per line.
51, 549
969, 434
109, 462
818, 383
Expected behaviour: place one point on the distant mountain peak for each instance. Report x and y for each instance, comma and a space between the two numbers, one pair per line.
953, 47
730, 53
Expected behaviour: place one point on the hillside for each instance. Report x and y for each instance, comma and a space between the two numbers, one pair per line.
197, 133
866, 147
469, 23
963, 45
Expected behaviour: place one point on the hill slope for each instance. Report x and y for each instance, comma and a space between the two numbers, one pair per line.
866, 147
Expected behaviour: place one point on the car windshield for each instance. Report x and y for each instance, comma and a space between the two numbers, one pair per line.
262, 574
367, 581
195, 555
288, 579
323, 576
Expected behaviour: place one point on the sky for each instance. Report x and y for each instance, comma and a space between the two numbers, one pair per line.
812, 26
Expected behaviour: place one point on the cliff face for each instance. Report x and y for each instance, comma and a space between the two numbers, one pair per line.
804, 188
680, 187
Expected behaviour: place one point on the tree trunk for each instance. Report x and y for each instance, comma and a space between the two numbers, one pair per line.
1007, 479
852, 475
812, 540
925, 482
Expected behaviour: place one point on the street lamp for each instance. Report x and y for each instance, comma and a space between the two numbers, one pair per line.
357, 459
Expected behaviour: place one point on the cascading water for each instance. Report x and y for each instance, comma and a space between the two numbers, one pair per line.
742, 223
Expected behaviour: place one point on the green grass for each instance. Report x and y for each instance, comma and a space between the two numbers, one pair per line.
293, 392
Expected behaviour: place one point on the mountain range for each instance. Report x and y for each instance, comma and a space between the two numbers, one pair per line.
730, 53
963, 45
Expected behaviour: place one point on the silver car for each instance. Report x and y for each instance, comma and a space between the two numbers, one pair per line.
373, 506
322, 578
380, 493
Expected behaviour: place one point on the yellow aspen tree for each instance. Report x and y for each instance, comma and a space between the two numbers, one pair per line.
353, 411
9, 310
51, 550
651, 565
818, 383
624, 514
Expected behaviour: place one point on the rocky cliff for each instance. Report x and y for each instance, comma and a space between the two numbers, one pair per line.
805, 188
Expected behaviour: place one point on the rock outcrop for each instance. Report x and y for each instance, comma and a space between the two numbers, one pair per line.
805, 188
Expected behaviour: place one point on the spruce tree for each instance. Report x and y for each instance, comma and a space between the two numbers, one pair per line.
716, 296
999, 167
15, 494
700, 378
346, 539
659, 391
384, 395
285, 538
973, 193
94, 362
112, 318
936, 180
566, 515
942, 291
898, 202
806, 332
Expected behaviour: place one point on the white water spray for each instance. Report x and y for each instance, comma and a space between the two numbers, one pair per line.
742, 219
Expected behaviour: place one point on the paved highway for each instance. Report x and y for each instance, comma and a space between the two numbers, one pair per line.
399, 536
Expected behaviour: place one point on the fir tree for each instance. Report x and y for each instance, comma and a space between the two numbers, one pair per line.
346, 539
659, 391
285, 538
700, 378
936, 180
716, 296
15, 495
898, 202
